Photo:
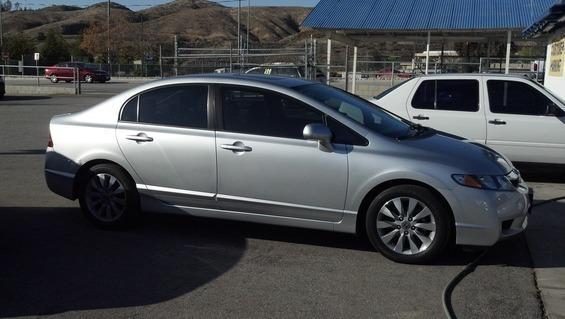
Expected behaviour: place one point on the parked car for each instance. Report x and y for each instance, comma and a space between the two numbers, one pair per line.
2, 87
277, 69
512, 114
287, 152
387, 72
65, 71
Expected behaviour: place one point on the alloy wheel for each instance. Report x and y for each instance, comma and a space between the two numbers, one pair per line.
406, 225
105, 197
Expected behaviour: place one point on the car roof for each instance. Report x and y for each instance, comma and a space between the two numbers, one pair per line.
495, 75
287, 82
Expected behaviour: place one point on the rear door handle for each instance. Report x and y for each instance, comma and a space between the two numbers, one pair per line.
421, 117
497, 122
141, 137
237, 147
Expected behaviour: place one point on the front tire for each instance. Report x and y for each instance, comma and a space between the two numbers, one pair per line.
88, 79
108, 196
408, 224
54, 78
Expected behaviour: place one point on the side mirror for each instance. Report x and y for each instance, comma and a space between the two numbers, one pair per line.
555, 110
321, 133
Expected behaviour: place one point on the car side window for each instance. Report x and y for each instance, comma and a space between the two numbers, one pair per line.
129, 111
512, 97
447, 95
181, 105
259, 112
344, 135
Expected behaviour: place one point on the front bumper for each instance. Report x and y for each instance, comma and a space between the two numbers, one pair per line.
482, 218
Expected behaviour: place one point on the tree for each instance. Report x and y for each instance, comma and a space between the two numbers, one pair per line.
55, 48
18, 45
7, 5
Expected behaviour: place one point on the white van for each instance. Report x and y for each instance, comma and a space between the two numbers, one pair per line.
512, 114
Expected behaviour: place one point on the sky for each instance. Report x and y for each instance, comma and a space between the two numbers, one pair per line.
142, 4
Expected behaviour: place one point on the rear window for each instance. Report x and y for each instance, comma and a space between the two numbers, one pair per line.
447, 95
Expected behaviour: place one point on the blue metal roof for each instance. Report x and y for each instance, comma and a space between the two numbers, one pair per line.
425, 14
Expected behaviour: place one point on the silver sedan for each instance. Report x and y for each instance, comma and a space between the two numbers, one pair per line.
286, 152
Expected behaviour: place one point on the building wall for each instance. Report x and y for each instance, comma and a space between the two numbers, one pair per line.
555, 64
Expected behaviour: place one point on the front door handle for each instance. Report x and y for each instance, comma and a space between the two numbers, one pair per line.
141, 137
237, 147
421, 117
497, 122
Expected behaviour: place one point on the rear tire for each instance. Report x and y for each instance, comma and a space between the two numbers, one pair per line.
408, 224
108, 196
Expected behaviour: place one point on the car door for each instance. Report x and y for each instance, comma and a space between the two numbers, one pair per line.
524, 122
165, 135
264, 164
450, 105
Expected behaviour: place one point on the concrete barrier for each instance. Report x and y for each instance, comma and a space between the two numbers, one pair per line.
26, 90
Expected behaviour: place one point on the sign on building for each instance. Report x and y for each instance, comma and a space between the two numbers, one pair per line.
557, 58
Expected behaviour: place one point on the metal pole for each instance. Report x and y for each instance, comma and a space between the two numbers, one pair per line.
161, 60
1, 25
37, 72
428, 52
508, 49
392, 75
248, 23
354, 79
239, 31
108, 43
306, 71
329, 60
231, 59
176, 56
347, 68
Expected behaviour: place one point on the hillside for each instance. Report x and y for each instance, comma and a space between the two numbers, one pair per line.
194, 21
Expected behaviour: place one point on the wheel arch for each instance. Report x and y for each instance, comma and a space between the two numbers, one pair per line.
368, 198
80, 174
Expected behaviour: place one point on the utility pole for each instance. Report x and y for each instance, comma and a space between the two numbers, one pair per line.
248, 23
108, 16
176, 56
1, 25
239, 31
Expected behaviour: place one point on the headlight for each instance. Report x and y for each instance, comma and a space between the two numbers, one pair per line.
489, 182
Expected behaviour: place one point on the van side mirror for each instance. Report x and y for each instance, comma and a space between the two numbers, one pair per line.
321, 133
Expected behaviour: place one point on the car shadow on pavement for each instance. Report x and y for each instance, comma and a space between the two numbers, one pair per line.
52, 260
24, 152
24, 98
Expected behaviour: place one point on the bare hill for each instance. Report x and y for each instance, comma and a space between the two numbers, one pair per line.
196, 21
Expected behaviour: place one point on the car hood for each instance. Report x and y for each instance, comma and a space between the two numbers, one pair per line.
466, 156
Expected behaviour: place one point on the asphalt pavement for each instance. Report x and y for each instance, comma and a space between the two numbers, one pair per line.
53, 263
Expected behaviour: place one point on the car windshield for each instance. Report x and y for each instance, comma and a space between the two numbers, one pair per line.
361, 111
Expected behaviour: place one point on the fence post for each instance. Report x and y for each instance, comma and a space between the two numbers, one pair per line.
329, 61
392, 74
306, 73
161, 60
347, 68
354, 79
37, 72
231, 58
176, 56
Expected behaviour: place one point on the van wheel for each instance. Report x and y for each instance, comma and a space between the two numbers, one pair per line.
108, 196
408, 224
54, 79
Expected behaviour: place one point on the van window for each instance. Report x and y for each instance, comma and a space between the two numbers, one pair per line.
512, 97
447, 95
